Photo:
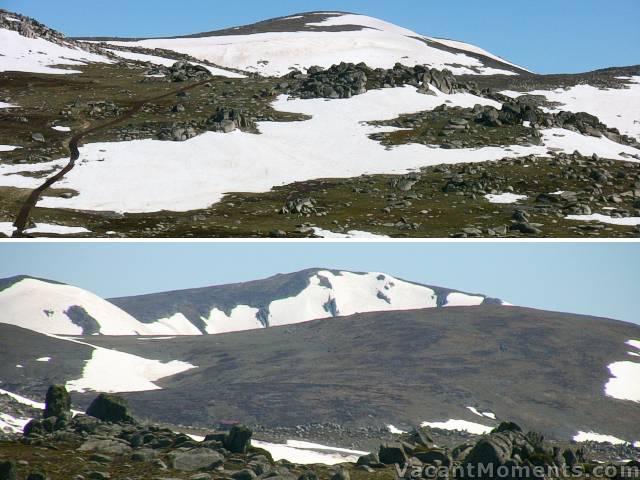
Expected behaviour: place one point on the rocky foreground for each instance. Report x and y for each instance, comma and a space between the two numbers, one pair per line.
109, 443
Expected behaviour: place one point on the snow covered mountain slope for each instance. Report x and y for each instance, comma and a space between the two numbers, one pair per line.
27, 46
291, 298
289, 152
55, 308
274, 47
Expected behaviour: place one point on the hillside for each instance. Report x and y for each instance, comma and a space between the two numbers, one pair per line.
315, 125
54, 308
454, 367
273, 47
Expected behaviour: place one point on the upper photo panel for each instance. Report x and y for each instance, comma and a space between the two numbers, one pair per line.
400, 119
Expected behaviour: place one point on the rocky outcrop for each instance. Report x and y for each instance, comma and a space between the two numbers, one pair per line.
228, 119
57, 402
347, 79
184, 71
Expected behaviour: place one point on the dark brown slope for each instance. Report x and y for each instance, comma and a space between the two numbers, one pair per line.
544, 370
19, 346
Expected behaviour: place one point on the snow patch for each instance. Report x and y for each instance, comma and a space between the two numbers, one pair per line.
36, 55
624, 383
242, 317
23, 400
7, 148
40, 306
458, 299
349, 293
305, 453
475, 411
60, 128
112, 371
394, 430
461, 425
45, 228
43, 359
168, 62
319, 232
598, 217
504, 198
177, 324
597, 437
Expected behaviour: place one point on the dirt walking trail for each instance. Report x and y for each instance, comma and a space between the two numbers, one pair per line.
22, 219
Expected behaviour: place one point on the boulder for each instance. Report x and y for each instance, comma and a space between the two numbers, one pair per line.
238, 440
392, 453
435, 456
341, 475
244, 474
110, 408
8, 470
106, 447
57, 402
423, 436
308, 476
196, 459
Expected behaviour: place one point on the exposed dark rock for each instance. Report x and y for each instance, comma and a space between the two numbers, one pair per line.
110, 408
8, 470
238, 439
57, 402
392, 453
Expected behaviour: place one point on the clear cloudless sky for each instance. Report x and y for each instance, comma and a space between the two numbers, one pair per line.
546, 36
589, 278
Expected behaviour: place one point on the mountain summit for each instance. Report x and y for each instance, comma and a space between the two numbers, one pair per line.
274, 47
54, 308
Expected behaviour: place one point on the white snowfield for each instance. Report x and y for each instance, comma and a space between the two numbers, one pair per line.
598, 217
320, 232
183, 176
43, 306
379, 44
615, 107
305, 453
460, 425
7, 228
348, 293
475, 411
40, 306
598, 437
23, 400
395, 430
7, 148
112, 371
36, 55
624, 383
504, 197
167, 62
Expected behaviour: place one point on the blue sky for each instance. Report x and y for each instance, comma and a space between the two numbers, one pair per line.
590, 278
546, 36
